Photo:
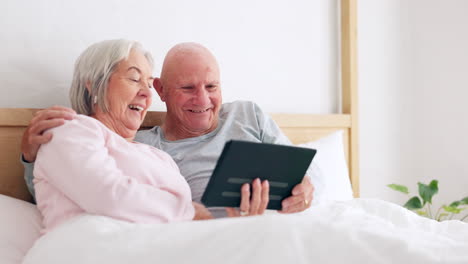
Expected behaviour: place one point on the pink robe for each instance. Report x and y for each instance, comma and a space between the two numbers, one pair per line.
87, 168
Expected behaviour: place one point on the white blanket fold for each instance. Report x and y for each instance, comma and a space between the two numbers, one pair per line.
357, 231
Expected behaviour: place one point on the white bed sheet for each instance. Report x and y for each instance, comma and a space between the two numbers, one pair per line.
357, 231
20, 223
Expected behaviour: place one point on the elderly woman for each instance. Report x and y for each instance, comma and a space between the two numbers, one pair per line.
92, 165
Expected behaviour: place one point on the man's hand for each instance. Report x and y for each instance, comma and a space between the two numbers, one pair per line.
201, 213
302, 195
254, 204
45, 119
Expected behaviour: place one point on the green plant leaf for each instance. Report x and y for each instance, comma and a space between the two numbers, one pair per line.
427, 191
400, 188
421, 212
451, 209
441, 216
464, 200
413, 203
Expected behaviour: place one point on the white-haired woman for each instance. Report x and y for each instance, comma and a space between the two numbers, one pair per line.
92, 165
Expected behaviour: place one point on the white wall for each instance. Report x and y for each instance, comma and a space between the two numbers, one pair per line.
281, 54
269, 51
413, 93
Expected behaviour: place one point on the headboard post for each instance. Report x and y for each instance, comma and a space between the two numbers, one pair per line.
349, 83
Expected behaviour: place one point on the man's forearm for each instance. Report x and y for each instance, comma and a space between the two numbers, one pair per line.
28, 176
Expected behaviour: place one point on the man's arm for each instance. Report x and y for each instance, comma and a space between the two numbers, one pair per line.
28, 176
36, 134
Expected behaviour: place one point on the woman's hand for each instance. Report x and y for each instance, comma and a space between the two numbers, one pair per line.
201, 213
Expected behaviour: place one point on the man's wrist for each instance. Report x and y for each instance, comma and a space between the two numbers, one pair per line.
24, 159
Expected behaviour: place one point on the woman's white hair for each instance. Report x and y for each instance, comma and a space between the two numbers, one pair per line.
94, 68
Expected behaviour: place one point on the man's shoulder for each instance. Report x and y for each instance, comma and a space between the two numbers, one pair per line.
147, 136
238, 107
153, 130
241, 114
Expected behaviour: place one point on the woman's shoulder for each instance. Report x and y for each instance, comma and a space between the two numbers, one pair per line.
79, 124
83, 120
73, 135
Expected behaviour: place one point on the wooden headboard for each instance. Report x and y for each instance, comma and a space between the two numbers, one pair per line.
298, 127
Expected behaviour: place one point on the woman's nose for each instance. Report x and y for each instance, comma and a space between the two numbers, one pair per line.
145, 91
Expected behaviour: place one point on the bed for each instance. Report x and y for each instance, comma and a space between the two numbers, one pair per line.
336, 229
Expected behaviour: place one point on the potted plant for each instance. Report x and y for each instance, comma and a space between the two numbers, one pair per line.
422, 204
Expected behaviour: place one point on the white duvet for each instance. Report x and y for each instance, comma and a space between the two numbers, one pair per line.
357, 231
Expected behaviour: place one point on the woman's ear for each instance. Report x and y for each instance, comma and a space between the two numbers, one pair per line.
159, 88
88, 86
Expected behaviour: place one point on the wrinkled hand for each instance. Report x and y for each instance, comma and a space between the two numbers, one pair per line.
252, 204
35, 134
302, 195
201, 213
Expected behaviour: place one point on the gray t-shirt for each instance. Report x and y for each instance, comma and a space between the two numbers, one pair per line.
197, 156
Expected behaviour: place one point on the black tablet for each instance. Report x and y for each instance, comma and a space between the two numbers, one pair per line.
241, 162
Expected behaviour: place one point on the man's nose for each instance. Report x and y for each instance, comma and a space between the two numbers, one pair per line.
202, 97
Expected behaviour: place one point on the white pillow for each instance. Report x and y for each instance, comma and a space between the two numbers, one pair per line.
330, 173
20, 224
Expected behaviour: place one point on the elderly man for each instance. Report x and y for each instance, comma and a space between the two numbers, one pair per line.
195, 130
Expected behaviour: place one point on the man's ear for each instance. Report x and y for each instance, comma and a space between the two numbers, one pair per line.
159, 88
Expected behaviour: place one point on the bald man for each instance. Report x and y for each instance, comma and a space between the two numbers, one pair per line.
196, 127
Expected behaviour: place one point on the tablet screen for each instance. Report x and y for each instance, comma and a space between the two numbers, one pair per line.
242, 162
